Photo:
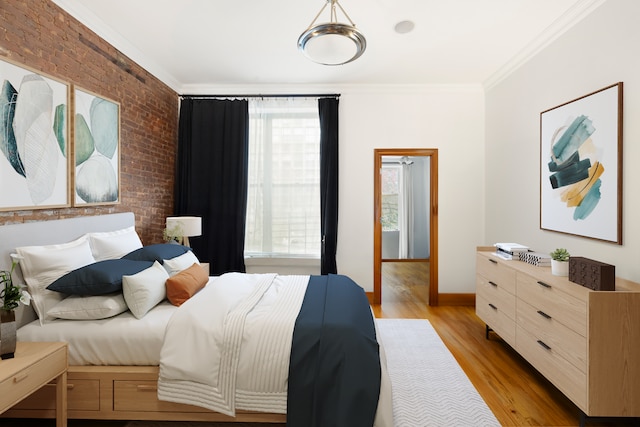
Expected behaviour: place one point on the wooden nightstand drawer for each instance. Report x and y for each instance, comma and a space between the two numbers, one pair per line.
82, 395
34, 365
143, 396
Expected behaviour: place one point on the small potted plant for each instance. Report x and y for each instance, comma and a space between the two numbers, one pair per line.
560, 262
11, 295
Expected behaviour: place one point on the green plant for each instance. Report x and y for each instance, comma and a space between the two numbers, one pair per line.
11, 294
560, 254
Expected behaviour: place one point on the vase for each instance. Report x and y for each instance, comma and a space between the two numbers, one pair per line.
559, 268
7, 333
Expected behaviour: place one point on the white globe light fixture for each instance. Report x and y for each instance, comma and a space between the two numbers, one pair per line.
332, 43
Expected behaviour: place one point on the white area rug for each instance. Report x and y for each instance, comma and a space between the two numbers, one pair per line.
429, 387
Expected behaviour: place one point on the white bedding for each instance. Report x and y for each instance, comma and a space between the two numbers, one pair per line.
102, 342
229, 347
222, 351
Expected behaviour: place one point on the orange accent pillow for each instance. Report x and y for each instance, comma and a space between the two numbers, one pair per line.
185, 284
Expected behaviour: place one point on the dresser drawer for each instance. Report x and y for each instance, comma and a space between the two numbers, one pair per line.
82, 395
496, 319
497, 272
564, 375
564, 308
496, 294
567, 343
143, 396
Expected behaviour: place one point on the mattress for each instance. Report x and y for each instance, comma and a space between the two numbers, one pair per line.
103, 342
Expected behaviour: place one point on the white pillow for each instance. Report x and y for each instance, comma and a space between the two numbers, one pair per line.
145, 290
80, 307
114, 244
42, 265
179, 263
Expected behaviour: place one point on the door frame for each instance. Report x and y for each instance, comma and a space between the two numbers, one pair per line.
432, 153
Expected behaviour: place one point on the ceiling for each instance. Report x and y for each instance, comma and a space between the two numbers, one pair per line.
198, 46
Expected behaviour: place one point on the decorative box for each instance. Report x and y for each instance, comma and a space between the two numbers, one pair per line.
592, 274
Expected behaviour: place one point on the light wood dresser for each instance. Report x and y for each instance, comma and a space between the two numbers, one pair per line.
587, 343
35, 364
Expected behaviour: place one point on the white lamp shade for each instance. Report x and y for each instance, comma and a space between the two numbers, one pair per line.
189, 226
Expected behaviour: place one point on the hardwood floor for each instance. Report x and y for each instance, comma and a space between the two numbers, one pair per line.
516, 393
405, 282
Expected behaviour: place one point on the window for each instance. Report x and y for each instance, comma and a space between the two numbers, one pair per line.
390, 180
283, 206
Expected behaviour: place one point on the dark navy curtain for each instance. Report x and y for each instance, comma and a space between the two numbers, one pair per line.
328, 111
211, 177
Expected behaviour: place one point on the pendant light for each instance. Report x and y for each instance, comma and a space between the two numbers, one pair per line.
332, 43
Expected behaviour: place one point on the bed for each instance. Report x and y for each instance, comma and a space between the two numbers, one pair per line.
154, 370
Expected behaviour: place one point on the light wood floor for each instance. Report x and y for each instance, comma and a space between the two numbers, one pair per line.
516, 393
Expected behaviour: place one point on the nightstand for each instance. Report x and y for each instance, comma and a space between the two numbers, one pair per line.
34, 365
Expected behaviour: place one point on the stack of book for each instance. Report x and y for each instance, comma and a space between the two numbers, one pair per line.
536, 258
510, 250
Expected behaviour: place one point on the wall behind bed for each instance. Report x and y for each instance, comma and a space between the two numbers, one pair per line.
41, 36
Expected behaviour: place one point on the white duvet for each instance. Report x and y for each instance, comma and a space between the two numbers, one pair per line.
228, 348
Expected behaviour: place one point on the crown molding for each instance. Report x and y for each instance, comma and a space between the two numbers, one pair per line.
561, 25
276, 89
95, 24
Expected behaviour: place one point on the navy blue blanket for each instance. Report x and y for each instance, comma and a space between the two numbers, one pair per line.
334, 374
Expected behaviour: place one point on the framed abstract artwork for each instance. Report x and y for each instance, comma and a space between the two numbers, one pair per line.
96, 146
34, 135
581, 166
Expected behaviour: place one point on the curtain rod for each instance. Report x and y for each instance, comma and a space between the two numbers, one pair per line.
327, 95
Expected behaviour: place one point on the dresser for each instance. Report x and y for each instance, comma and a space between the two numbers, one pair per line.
587, 343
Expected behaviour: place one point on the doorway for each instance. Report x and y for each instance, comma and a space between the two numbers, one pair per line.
406, 224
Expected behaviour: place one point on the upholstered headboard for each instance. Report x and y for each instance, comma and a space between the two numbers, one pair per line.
52, 232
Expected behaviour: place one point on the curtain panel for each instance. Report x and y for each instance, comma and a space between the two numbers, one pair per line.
328, 112
211, 177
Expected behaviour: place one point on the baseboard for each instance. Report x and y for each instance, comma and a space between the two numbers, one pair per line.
457, 299
446, 299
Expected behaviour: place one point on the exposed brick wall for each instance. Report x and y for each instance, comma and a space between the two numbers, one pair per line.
41, 36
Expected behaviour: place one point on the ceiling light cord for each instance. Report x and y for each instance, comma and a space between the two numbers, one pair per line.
333, 5
334, 15
320, 13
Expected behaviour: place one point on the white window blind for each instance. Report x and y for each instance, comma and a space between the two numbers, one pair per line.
283, 206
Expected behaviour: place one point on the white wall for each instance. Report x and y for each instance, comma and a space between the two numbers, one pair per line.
450, 119
599, 51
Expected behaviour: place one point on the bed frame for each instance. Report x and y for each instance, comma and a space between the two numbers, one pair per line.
100, 392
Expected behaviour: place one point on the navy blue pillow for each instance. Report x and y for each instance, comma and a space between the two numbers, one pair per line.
158, 252
99, 278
